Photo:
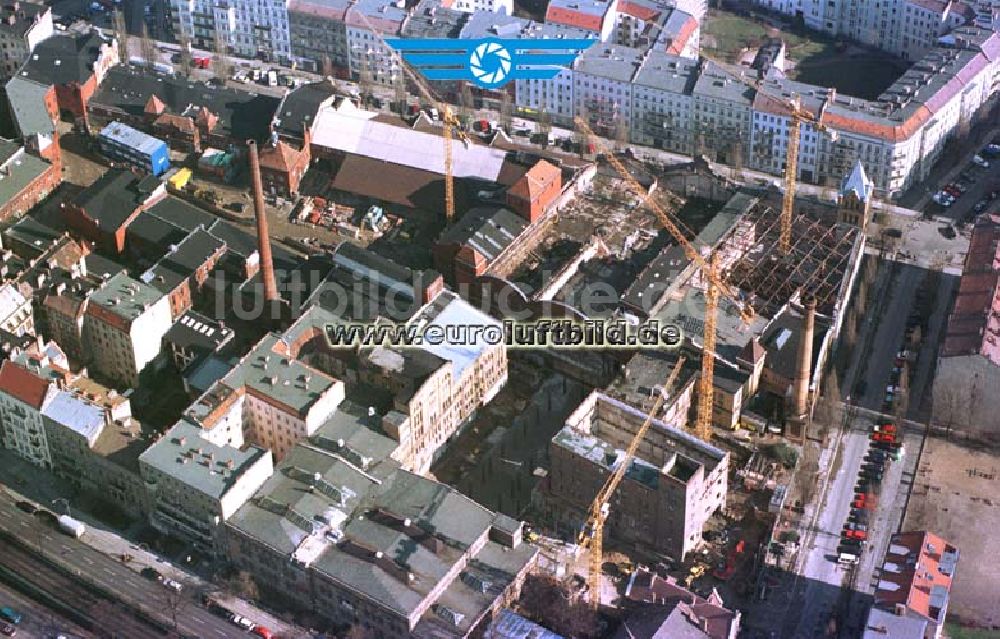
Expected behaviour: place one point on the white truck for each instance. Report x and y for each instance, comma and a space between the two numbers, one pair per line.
71, 526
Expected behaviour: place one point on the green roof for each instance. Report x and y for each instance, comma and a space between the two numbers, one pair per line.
20, 169
126, 297
278, 376
183, 454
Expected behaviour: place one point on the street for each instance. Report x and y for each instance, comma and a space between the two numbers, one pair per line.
39, 622
95, 568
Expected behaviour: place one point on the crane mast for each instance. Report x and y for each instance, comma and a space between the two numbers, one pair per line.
592, 535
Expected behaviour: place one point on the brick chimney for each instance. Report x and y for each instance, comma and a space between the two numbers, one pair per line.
263, 238
805, 357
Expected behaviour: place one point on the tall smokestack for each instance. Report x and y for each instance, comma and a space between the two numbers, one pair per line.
805, 357
263, 239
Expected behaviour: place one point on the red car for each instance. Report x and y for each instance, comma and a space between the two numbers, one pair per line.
202, 63
883, 437
264, 632
856, 534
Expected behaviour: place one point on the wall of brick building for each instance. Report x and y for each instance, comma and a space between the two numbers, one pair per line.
31, 194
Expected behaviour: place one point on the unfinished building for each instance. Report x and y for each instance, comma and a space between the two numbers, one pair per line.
675, 483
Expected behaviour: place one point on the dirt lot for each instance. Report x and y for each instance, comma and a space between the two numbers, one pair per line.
956, 496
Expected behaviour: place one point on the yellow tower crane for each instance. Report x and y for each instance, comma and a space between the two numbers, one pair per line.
449, 122
797, 116
714, 287
592, 536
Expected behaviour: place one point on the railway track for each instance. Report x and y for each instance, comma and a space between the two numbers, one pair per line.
25, 571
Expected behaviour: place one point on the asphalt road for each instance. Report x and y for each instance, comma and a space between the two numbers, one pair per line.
819, 588
39, 622
95, 568
986, 180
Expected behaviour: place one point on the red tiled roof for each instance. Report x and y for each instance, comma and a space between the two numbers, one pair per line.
570, 18
679, 41
23, 384
639, 11
535, 181
179, 122
155, 105
908, 578
651, 588
282, 157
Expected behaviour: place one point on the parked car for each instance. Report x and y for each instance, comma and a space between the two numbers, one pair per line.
170, 583
26, 506
8, 630
264, 632
151, 573
243, 622
981, 206
979, 161
943, 198
10, 615
990, 150
953, 190
992, 195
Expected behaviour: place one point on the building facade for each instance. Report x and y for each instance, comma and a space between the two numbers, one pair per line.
23, 396
675, 484
22, 26
123, 328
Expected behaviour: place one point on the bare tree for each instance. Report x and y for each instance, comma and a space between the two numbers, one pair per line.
327, 66
220, 61
244, 585
147, 47
543, 126
399, 86
173, 602
622, 133
506, 112
548, 600
468, 104
121, 35
365, 78
185, 53
583, 137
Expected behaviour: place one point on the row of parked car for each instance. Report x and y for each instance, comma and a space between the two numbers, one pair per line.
883, 446
951, 193
245, 623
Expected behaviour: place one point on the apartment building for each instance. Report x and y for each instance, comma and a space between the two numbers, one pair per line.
22, 26
675, 483
318, 30
907, 28
367, 57
23, 396
342, 531
16, 315
897, 137
195, 485
94, 443
248, 28
914, 587
123, 328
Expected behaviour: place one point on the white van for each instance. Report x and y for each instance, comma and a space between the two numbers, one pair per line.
847, 559
272, 78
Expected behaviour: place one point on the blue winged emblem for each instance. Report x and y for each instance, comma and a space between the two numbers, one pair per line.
490, 62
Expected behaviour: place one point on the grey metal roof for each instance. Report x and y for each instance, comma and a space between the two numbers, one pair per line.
431, 20
114, 197
181, 263
355, 434
125, 297
242, 114
487, 230
613, 62
194, 330
481, 24
27, 104
885, 624
667, 72
280, 377
177, 455
83, 417
20, 169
